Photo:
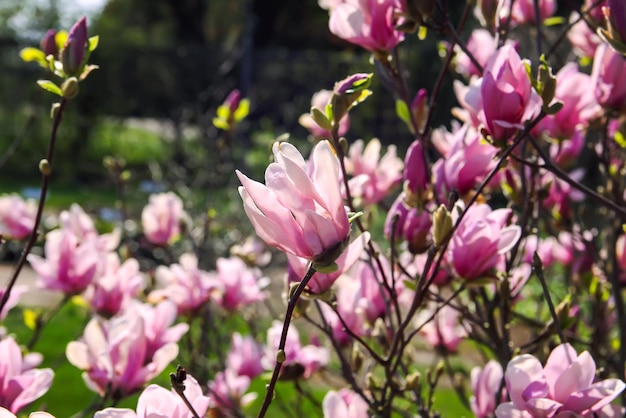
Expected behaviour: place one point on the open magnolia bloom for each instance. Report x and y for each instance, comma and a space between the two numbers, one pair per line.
300, 208
564, 387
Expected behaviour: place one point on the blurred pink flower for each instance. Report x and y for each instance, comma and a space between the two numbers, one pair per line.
344, 404
305, 360
320, 100
5, 413
485, 385
72, 54
583, 39
467, 161
579, 104
122, 354
158, 402
69, 266
159, 328
253, 252
13, 299
49, 44
184, 284
480, 241
444, 330
322, 282
244, 357
118, 284
416, 169
373, 177
17, 216
367, 23
504, 98
608, 77
161, 218
482, 45
20, 382
82, 226
523, 11
239, 284
564, 387
300, 208
348, 309
228, 391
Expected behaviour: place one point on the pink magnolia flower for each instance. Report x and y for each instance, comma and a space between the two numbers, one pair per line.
49, 44
161, 218
116, 287
228, 391
620, 253
583, 39
244, 357
414, 265
485, 385
504, 98
564, 387
444, 330
482, 45
416, 169
579, 104
321, 282
523, 11
344, 404
185, 284
82, 226
300, 208
373, 176
240, 285
301, 360
609, 78
561, 195
13, 299
480, 241
17, 216
348, 317
253, 252
158, 402
159, 328
320, 100
69, 266
20, 382
367, 23
121, 354
412, 224
5, 413
467, 161
72, 54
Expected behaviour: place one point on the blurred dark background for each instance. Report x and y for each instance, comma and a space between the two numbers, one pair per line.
165, 66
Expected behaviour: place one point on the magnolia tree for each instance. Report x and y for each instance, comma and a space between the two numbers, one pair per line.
493, 248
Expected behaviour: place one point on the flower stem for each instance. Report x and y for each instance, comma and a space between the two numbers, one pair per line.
45, 179
291, 305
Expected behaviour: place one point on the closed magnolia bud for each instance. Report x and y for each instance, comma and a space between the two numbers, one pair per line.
69, 88
442, 225
73, 52
49, 43
44, 167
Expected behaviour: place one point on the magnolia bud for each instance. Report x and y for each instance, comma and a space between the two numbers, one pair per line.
442, 225
44, 167
69, 88
73, 52
49, 43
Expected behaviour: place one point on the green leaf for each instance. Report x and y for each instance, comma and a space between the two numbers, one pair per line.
220, 123
50, 86
243, 110
553, 21
619, 139
32, 54
93, 43
60, 38
402, 110
320, 118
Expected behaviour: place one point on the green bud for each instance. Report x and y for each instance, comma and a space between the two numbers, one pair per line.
442, 225
45, 167
413, 381
54, 109
280, 356
69, 88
